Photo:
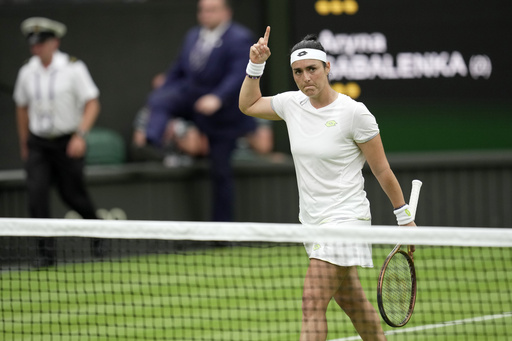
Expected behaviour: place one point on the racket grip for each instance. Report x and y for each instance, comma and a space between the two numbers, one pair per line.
415, 195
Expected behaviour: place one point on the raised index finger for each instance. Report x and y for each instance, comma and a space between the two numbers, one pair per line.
267, 35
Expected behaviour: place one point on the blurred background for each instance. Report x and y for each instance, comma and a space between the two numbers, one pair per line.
435, 74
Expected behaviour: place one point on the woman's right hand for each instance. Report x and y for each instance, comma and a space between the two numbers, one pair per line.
260, 51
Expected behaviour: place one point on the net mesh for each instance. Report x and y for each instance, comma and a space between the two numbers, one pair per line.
206, 281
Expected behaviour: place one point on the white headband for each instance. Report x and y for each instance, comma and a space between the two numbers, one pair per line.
308, 54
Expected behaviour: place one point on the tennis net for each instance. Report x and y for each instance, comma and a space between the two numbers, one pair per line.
235, 281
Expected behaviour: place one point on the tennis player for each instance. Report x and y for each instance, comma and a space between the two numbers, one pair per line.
331, 137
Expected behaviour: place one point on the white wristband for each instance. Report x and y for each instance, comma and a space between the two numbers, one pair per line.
403, 215
255, 70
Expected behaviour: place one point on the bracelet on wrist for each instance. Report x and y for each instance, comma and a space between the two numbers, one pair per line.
253, 77
397, 208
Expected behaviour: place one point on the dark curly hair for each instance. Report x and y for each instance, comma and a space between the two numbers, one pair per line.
309, 42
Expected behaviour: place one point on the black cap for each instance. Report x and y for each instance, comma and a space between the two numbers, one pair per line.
39, 37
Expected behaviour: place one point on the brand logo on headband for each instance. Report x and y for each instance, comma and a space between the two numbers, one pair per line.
303, 53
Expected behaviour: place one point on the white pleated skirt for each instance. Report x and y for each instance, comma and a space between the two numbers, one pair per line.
342, 254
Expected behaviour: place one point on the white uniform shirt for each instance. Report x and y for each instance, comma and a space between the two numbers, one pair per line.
327, 160
56, 95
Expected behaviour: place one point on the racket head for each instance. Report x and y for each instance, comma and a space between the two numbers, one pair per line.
396, 289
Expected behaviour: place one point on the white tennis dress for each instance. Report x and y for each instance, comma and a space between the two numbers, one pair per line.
328, 164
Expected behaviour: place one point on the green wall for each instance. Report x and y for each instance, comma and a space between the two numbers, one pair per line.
445, 126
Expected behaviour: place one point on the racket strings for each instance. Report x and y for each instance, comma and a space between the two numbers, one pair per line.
397, 289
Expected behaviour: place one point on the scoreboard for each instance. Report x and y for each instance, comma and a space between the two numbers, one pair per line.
409, 49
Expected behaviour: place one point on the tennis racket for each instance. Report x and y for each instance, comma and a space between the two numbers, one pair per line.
396, 289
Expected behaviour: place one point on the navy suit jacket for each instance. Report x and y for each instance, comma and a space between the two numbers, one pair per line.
222, 75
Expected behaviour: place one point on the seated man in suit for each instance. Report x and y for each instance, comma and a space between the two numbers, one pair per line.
202, 87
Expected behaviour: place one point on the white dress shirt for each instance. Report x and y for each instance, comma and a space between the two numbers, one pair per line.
55, 95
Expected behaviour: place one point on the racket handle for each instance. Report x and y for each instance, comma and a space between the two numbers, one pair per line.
415, 195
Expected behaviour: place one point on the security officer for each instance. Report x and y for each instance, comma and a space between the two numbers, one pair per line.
56, 105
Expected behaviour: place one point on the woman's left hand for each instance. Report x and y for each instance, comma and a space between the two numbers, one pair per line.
260, 51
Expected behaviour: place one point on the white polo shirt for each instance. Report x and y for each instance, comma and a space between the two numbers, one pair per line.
327, 160
56, 95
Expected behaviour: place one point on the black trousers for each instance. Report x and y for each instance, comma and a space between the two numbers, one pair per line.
221, 173
48, 165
